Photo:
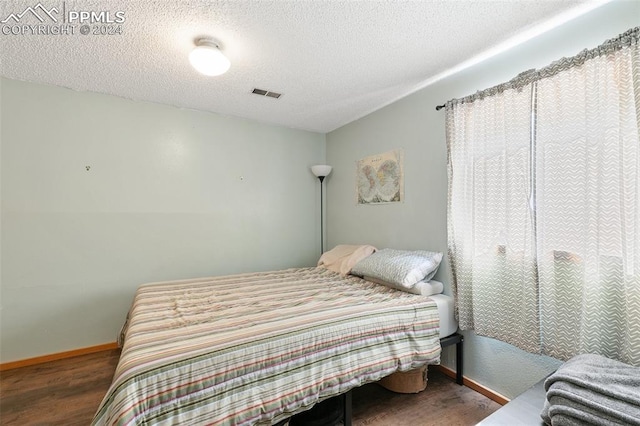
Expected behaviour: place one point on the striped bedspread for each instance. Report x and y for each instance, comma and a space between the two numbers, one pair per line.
257, 348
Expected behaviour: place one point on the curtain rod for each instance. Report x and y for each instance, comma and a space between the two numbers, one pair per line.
627, 38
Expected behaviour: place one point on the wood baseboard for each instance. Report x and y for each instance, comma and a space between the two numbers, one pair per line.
54, 357
500, 399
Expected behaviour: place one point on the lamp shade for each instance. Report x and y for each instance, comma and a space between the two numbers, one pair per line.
207, 58
321, 170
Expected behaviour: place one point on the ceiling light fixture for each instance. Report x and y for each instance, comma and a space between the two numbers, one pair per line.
207, 58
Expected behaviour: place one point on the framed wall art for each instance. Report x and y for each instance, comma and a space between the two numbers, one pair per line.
380, 178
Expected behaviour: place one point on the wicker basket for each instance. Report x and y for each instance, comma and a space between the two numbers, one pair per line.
413, 381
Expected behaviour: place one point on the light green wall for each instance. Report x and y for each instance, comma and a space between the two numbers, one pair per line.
420, 222
170, 194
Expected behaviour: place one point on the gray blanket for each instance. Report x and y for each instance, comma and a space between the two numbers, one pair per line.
593, 390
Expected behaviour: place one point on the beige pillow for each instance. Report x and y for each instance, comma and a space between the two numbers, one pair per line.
343, 257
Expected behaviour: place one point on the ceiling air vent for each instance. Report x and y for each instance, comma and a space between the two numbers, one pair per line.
266, 93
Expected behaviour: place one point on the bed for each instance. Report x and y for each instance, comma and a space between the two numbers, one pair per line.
258, 348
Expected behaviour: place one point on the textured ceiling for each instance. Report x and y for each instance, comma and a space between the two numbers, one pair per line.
333, 61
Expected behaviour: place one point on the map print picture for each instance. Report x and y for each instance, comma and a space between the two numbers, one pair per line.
380, 179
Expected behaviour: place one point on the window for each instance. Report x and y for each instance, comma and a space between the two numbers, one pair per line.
544, 206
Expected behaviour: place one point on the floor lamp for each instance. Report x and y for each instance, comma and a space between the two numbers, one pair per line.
321, 171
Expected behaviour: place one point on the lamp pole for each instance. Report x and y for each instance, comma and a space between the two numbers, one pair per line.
321, 216
321, 171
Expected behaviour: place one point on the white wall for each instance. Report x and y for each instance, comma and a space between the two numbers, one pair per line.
170, 194
420, 222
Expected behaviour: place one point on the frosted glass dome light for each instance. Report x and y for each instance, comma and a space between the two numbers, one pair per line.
321, 170
207, 58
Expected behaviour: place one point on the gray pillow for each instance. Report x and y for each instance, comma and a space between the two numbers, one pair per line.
400, 267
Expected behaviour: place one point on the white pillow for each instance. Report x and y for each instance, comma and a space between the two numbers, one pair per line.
423, 288
401, 267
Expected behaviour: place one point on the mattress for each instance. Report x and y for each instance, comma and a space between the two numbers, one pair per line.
448, 323
257, 348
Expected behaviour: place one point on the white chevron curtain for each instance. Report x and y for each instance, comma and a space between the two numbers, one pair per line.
491, 237
544, 206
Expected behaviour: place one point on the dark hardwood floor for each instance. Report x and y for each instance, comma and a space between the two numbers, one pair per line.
65, 392
443, 402
68, 392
